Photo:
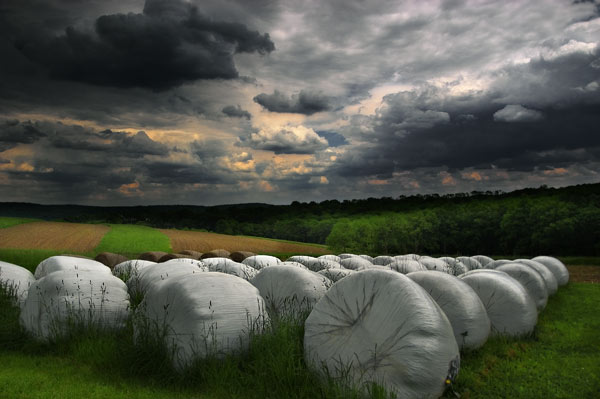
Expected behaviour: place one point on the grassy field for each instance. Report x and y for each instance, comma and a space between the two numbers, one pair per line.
131, 240
10, 221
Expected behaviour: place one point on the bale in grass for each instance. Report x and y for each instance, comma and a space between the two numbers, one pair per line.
125, 269
406, 266
239, 256
15, 280
470, 262
141, 282
110, 259
509, 306
67, 299
435, 264
153, 256
495, 263
380, 326
345, 256
192, 254
334, 258
260, 261
383, 260
546, 274
336, 274
482, 259
560, 271
206, 314
455, 266
226, 265
355, 263
216, 253
60, 262
367, 257
290, 290
168, 257
314, 264
408, 256
531, 280
303, 259
462, 306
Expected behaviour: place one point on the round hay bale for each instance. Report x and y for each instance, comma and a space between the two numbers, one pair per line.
495, 263
125, 269
292, 263
140, 283
435, 264
509, 306
408, 256
191, 253
462, 306
406, 266
345, 256
546, 274
202, 315
239, 256
260, 261
557, 268
226, 265
383, 260
315, 264
61, 262
15, 280
455, 266
469, 262
482, 259
71, 298
216, 253
530, 279
290, 290
169, 257
305, 260
152, 256
334, 258
355, 263
336, 274
380, 326
367, 257
110, 259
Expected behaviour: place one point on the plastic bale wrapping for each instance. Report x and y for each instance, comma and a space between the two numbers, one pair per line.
16, 280
226, 265
509, 306
290, 290
482, 259
495, 263
336, 274
334, 258
260, 261
305, 260
435, 264
355, 263
380, 326
61, 262
546, 274
294, 264
69, 299
462, 306
201, 315
346, 256
470, 262
406, 266
383, 260
531, 280
314, 264
560, 271
139, 283
408, 256
367, 257
126, 269
455, 266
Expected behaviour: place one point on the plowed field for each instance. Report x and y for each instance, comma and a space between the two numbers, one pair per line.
204, 242
53, 235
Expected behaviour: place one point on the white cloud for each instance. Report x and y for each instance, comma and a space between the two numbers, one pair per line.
517, 113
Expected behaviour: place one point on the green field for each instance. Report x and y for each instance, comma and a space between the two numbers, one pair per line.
10, 221
131, 240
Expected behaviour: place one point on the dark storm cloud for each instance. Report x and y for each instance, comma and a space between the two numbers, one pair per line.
236, 112
13, 133
305, 102
170, 43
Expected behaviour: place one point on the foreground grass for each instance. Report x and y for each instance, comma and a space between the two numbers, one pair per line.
131, 240
6, 221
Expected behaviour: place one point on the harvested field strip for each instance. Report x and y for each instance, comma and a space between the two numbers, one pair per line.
131, 240
10, 221
53, 235
584, 273
204, 242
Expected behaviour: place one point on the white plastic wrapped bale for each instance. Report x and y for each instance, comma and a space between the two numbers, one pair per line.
509, 306
557, 268
469, 262
345, 256
482, 259
455, 266
383, 260
495, 263
383, 327
435, 264
140, 282
321, 264
367, 257
65, 298
294, 264
334, 258
202, 314
462, 306
408, 256
530, 279
356, 263
226, 265
260, 261
406, 266
125, 269
336, 274
289, 290
305, 260
16, 280
63, 262
546, 274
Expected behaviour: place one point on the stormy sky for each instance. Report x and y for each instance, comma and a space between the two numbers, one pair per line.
127, 102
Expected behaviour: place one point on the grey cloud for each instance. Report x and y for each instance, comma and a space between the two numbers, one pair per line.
305, 102
517, 113
287, 140
236, 112
334, 139
13, 133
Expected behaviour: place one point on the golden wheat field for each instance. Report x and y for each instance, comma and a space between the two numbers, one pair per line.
76, 237
204, 242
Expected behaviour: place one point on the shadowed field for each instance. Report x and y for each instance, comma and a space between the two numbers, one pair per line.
75, 237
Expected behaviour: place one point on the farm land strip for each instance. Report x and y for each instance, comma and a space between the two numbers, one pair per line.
131, 240
11, 221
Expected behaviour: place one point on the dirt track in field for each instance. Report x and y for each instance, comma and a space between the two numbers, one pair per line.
53, 235
584, 274
204, 242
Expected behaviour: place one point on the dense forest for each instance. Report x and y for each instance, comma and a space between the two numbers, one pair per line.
557, 221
